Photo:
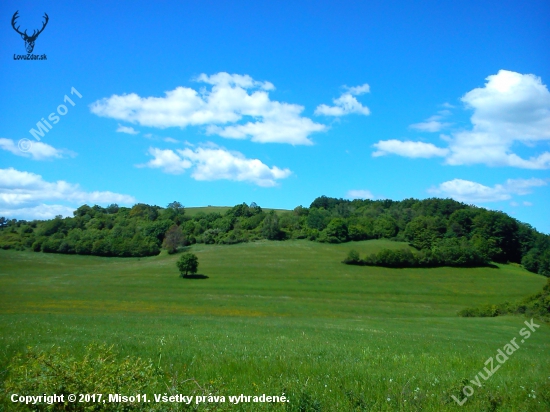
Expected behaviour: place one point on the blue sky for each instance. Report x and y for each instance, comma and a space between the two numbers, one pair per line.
219, 103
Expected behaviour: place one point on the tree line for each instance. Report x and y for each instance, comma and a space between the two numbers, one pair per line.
436, 228
444, 252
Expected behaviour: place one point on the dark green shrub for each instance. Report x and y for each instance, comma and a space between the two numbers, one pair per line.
352, 258
188, 263
336, 231
51, 245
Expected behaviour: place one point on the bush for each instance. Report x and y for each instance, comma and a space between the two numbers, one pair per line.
51, 245
483, 311
233, 237
336, 231
37, 245
271, 229
352, 258
210, 236
99, 371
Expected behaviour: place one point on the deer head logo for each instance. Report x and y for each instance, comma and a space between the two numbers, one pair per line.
29, 40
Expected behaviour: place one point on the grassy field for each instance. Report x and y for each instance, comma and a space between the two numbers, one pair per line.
192, 211
276, 317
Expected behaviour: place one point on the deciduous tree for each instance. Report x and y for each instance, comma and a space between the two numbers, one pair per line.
173, 239
188, 263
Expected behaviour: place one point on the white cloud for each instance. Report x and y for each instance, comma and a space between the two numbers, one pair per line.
225, 79
168, 161
346, 103
232, 99
215, 163
473, 192
448, 105
34, 150
153, 137
523, 186
358, 90
511, 109
293, 130
126, 129
40, 212
25, 193
490, 149
359, 194
433, 123
408, 149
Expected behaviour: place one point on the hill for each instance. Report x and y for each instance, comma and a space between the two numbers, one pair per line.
442, 230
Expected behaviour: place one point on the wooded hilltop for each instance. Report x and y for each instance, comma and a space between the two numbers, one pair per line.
440, 228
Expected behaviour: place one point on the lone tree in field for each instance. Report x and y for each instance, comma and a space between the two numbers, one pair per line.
188, 263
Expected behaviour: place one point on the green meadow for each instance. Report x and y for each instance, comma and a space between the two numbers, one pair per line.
286, 317
193, 211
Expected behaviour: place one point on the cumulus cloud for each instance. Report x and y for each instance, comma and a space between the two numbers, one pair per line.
510, 109
33, 150
216, 163
236, 106
408, 149
25, 194
473, 192
346, 103
168, 161
126, 129
359, 194
291, 129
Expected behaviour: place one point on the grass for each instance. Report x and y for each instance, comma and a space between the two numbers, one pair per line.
192, 211
277, 317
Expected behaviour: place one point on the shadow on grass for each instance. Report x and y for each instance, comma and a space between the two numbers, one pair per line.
194, 277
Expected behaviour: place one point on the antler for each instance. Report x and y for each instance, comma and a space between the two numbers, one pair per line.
43, 26
15, 16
